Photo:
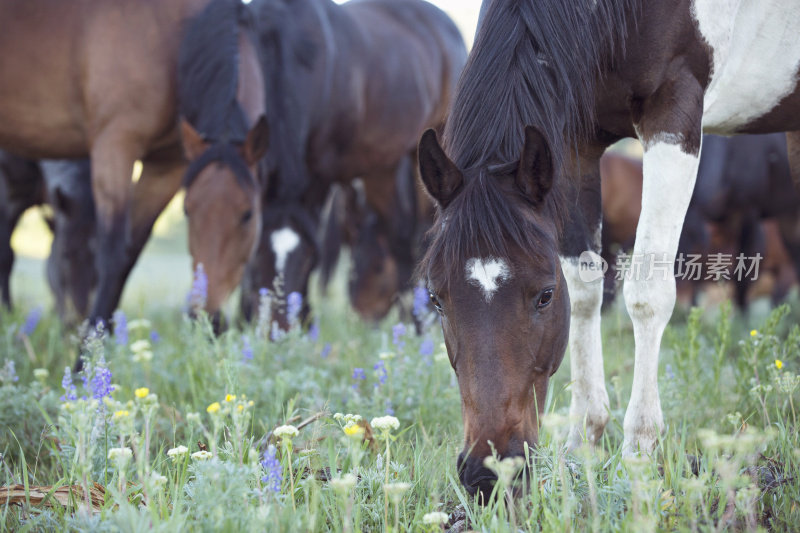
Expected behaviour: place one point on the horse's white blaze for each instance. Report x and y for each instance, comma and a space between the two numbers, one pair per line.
756, 55
284, 241
487, 274
669, 176
589, 407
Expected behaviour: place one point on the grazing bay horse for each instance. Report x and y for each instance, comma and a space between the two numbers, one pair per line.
349, 90
100, 79
512, 266
225, 134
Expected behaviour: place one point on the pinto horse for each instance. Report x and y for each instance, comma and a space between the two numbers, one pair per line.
547, 87
349, 89
100, 79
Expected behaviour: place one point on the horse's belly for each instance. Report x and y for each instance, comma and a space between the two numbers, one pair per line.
756, 59
40, 131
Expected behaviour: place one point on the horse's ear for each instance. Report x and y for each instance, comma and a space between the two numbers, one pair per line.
535, 174
257, 142
441, 177
193, 143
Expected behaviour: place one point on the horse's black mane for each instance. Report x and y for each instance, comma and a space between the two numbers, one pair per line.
534, 62
287, 53
208, 72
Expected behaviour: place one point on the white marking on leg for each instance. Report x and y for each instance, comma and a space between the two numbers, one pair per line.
756, 57
284, 241
487, 274
589, 407
669, 177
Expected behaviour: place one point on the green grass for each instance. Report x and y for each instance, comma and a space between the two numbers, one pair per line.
728, 458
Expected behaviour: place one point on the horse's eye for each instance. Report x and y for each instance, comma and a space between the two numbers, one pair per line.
435, 301
247, 216
545, 298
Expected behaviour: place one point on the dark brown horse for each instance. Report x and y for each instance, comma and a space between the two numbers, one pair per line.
351, 87
100, 79
383, 252
548, 86
65, 187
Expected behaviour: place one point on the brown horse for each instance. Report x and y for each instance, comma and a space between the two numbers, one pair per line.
225, 134
99, 79
351, 87
383, 251
548, 86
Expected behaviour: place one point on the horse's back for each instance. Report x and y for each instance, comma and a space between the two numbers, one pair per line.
410, 57
71, 68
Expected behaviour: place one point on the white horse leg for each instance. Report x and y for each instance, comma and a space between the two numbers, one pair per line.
669, 177
589, 408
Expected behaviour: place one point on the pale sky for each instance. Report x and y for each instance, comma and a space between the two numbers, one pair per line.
464, 12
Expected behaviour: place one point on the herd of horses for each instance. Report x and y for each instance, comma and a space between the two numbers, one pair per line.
299, 126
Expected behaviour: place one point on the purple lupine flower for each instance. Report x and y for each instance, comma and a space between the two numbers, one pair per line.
426, 348
154, 336
326, 350
669, 372
358, 375
247, 349
9, 372
273, 469
100, 384
69, 388
264, 313
398, 332
421, 299
196, 299
313, 332
120, 327
380, 370
31, 321
389, 409
294, 304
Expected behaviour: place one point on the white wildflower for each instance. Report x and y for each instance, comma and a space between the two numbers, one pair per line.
202, 455
435, 518
385, 423
286, 432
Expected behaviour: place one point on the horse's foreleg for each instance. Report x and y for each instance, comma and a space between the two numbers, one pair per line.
160, 181
671, 157
582, 267
113, 156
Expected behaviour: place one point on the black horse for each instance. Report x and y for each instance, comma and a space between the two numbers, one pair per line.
66, 187
349, 90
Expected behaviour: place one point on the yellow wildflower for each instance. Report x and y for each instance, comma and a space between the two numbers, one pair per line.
141, 392
353, 430
778, 364
753, 332
213, 408
240, 407
122, 413
230, 397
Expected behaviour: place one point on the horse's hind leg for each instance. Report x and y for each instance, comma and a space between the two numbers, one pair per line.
672, 152
582, 267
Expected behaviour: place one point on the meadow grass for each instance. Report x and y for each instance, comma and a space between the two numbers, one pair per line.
727, 460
